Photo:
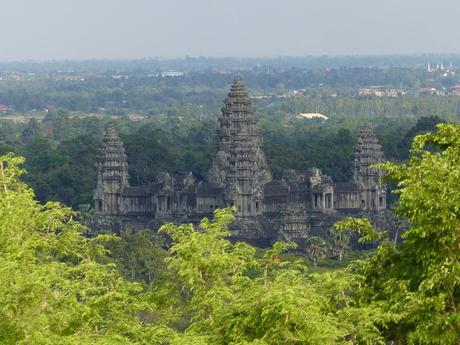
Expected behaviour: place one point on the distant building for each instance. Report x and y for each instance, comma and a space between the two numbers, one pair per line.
3, 107
371, 91
172, 74
378, 91
311, 116
455, 90
395, 93
430, 91
440, 68
51, 106
120, 76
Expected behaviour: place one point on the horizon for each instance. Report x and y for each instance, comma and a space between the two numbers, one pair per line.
52, 30
235, 57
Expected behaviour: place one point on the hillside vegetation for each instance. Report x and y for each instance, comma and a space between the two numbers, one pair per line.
58, 286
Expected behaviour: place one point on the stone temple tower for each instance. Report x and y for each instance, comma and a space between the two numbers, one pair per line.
368, 152
240, 167
112, 174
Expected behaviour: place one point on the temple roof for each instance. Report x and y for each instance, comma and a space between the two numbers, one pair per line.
208, 189
110, 133
111, 145
238, 89
135, 191
343, 187
368, 141
112, 149
275, 188
238, 98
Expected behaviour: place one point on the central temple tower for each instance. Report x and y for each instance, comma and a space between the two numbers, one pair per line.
240, 167
112, 174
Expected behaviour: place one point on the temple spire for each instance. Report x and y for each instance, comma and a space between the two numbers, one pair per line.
111, 172
240, 167
368, 152
369, 178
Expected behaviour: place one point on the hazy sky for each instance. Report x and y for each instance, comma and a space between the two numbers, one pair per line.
81, 29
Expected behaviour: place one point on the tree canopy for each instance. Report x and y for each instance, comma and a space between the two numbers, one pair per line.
53, 289
58, 286
418, 281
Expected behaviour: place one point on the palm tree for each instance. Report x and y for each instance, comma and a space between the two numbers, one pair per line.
317, 249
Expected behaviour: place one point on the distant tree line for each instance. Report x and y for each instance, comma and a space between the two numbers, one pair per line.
61, 149
150, 93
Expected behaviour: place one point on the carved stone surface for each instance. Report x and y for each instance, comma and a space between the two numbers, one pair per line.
301, 204
365, 174
240, 167
368, 153
111, 172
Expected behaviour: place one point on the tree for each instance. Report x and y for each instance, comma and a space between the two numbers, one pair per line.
317, 249
418, 282
55, 287
232, 296
423, 125
340, 240
139, 255
53, 290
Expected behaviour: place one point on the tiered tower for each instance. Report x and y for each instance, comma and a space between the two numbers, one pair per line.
112, 174
369, 179
240, 167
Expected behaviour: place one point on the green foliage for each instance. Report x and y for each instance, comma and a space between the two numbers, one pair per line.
423, 125
56, 286
64, 173
419, 281
302, 146
234, 297
52, 289
176, 144
317, 249
362, 226
340, 239
139, 256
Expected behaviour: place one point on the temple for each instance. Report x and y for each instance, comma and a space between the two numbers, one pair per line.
300, 204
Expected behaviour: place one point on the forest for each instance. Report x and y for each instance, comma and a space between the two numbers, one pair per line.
60, 151
149, 92
56, 113
58, 286
62, 284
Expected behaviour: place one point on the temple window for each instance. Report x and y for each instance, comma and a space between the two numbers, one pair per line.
317, 200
